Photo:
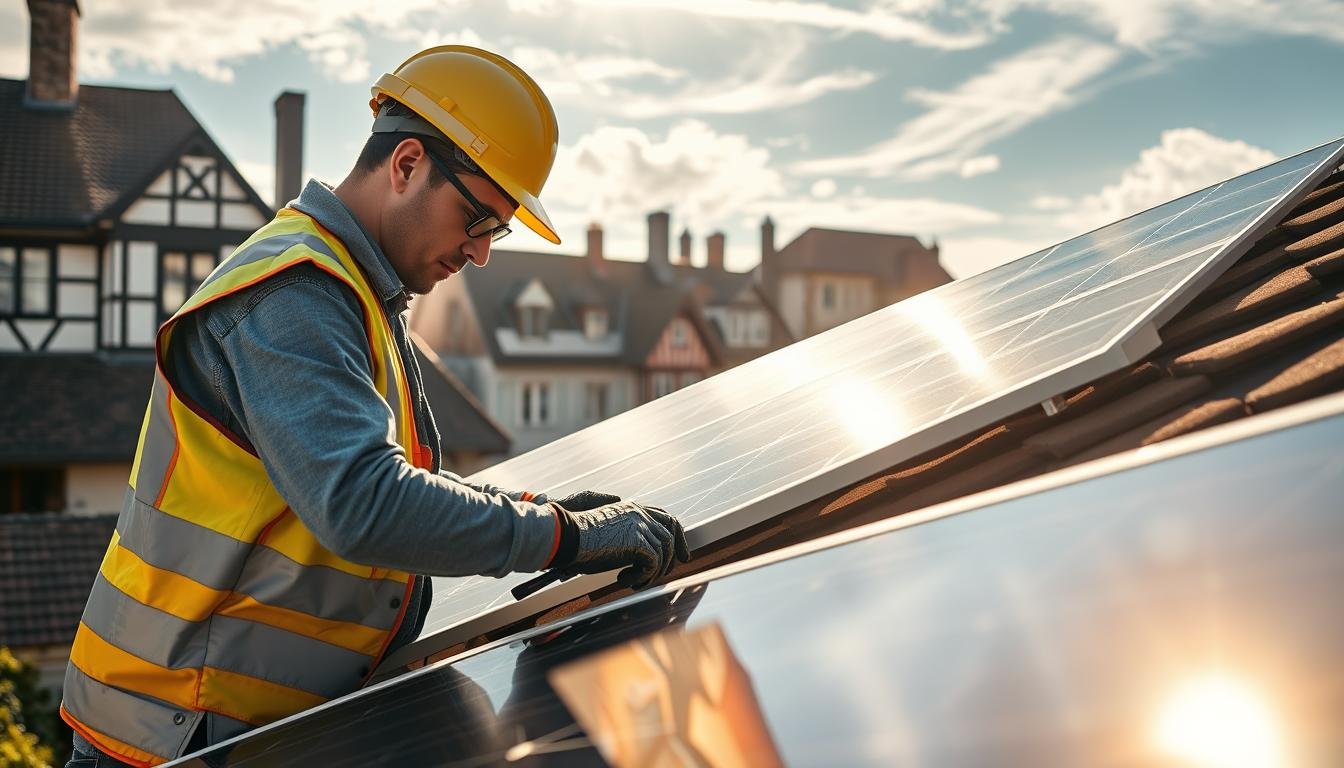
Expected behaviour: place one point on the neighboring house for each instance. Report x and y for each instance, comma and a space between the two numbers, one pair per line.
827, 277
115, 203
554, 343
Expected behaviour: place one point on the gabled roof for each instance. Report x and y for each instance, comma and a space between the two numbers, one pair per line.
47, 565
639, 306
72, 167
868, 253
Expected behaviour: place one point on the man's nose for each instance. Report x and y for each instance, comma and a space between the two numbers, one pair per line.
478, 250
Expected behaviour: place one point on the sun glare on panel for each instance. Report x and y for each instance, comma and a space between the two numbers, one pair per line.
871, 418
1217, 721
933, 316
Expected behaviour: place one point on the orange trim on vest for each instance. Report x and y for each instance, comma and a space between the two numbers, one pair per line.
120, 750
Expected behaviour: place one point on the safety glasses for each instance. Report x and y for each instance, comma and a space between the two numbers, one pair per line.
486, 221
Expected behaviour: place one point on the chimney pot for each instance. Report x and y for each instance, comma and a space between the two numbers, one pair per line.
596, 260
659, 241
685, 247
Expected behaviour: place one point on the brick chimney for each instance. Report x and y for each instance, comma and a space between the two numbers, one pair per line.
716, 243
659, 241
685, 247
52, 30
596, 262
288, 147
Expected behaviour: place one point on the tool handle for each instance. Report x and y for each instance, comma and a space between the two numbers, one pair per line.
535, 585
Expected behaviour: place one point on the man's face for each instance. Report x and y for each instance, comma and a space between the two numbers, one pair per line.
424, 227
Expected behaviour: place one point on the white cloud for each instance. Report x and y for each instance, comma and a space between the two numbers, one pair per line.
888, 24
565, 75
203, 37
1185, 160
1178, 24
1009, 95
823, 188
1051, 203
978, 166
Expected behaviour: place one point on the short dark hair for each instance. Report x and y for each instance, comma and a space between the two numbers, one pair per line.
380, 146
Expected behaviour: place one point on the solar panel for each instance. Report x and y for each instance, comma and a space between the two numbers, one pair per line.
1063, 616
793, 425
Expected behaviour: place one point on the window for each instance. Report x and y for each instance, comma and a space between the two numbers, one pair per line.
536, 404
690, 377
663, 383
532, 321
680, 334
596, 398
32, 490
26, 281
760, 329
181, 274
828, 295
595, 323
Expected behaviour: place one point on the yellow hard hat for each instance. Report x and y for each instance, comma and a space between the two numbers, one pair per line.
489, 108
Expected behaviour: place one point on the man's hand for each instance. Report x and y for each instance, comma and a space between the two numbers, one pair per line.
644, 539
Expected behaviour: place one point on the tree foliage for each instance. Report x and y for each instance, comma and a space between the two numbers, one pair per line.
20, 747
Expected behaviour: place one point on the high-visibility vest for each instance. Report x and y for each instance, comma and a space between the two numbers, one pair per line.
213, 596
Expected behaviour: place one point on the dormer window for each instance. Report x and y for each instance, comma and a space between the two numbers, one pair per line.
532, 321
533, 305
594, 323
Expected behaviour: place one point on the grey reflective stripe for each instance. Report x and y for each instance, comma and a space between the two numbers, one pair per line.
147, 632
225, 563
156, 452
280, 656
140, 721
268, 248
271, 578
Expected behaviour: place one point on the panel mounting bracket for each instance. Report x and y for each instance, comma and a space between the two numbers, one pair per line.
1054, 405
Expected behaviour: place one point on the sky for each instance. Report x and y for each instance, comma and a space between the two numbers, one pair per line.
993, 127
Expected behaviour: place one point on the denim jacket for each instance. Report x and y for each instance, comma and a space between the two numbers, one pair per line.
284, 364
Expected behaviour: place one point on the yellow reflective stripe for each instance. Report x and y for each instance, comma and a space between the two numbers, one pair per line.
215, 483
291, 538
169, 592
115, 747
110, 665
251, 699
352, 637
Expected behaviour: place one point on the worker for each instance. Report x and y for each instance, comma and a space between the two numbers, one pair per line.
287, 500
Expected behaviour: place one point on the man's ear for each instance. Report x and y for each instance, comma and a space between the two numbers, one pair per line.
402, 164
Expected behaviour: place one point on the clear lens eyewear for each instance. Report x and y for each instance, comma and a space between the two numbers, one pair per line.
486, 222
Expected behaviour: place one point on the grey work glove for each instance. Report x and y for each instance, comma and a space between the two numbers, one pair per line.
643, 539
586, 500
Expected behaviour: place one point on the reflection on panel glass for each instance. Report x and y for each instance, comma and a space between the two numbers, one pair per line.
729, 442
1177, 613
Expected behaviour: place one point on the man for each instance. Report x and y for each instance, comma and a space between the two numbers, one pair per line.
287, 499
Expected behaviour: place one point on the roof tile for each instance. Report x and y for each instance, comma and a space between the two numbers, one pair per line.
1247, 304
1324, 266
47, 565
1199, 416
1317, 374
1324, 241
1260, 341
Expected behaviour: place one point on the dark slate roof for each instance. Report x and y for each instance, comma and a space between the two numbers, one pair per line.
70, 167
463, 422
64, 408
638, 305
47, 565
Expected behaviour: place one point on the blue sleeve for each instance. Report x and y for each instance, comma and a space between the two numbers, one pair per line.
296, 375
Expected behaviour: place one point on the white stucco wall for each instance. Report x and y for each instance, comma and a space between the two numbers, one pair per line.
92, 489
